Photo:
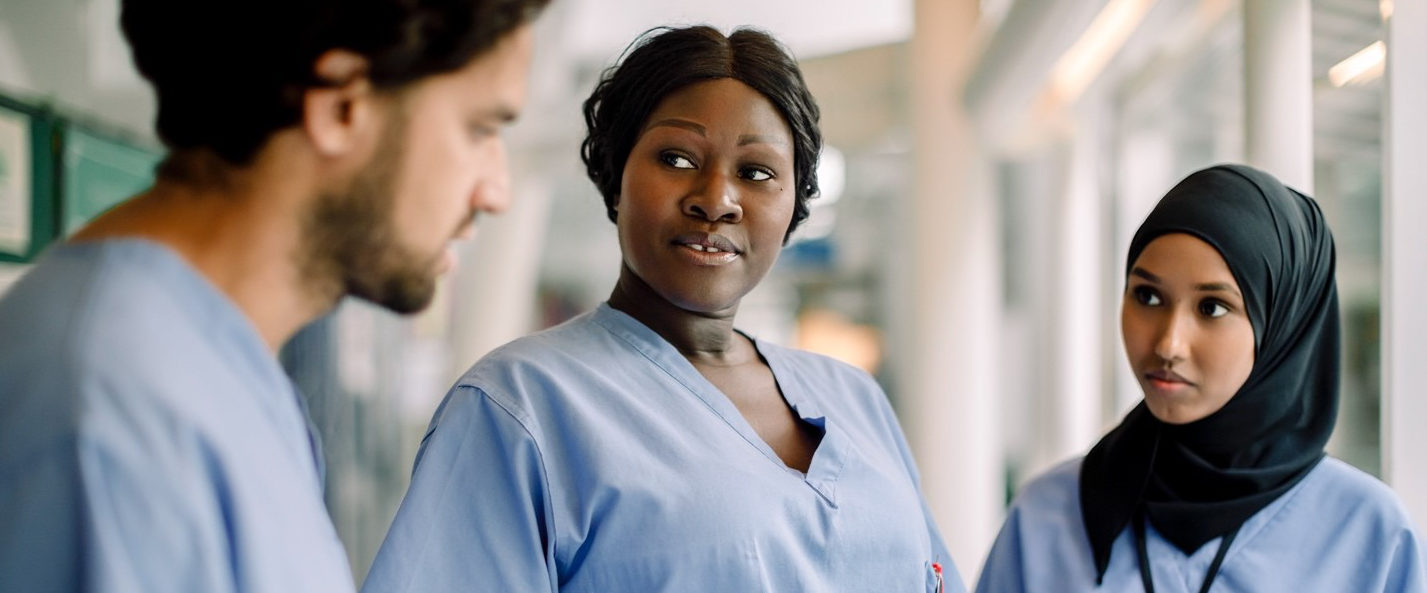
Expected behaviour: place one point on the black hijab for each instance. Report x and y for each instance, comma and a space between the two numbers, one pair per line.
1202, 480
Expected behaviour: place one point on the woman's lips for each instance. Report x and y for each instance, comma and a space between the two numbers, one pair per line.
1167, 382
706, 242
699, 255
706, 249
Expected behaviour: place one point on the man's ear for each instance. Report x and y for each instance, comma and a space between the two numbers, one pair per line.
340, 112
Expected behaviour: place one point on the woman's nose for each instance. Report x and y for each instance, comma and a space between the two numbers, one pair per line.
1172, 342
714, 200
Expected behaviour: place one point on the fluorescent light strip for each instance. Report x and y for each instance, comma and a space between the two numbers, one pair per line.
1361, 67
1106, 34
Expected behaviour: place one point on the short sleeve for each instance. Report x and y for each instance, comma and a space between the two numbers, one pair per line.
1002, 571
476, 516
1408, 571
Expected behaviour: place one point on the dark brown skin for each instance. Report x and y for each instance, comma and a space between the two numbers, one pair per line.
713, 164
729, 361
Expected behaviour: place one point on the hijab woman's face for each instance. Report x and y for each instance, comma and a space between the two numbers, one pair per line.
1186, 330
707, 195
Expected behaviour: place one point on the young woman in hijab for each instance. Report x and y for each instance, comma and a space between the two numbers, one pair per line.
648, 445
1218, 480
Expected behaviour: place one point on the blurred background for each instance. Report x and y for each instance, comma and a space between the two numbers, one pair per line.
986, 164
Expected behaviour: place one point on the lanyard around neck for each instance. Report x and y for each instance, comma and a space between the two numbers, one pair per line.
1143, 552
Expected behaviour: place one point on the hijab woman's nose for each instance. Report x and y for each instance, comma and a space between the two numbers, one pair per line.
1173, 336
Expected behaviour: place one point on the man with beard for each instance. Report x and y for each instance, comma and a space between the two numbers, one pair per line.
149, 441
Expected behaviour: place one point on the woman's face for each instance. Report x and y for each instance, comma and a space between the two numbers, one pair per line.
707, 195
1186, 331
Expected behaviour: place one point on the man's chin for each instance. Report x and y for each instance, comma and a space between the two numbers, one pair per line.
403, 297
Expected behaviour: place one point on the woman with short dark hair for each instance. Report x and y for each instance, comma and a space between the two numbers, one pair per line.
648, 445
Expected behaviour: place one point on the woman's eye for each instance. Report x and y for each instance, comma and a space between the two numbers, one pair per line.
1145, 295
1213, 308
757, 174
676, 160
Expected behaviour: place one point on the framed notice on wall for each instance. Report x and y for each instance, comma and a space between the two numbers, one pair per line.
98, 171
26, 181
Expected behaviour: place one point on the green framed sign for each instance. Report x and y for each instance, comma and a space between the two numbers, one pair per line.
27, 192
97, 171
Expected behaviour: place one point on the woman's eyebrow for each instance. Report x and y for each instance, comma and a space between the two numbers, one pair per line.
1217, 287
1206, 287
760, 139
685, 124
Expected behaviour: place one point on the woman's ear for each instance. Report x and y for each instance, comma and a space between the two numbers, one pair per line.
337, 114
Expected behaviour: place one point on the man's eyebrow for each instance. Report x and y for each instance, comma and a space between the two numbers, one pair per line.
505, 113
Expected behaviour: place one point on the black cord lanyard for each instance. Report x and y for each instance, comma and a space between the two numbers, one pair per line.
1139, 523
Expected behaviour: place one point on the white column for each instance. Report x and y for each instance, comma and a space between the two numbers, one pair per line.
1404, 321
950, 383
1278, 89
496, 285
1077, 384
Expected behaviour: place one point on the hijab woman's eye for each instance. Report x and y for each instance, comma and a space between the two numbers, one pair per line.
1213, 308
676, 160
1147, 296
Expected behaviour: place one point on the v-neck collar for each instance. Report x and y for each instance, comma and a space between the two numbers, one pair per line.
832, 451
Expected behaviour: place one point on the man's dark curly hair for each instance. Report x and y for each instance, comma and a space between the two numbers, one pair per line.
229, 73
665, 60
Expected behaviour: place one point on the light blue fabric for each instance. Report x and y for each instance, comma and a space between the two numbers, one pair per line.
1338, 530
593, 457
149, 441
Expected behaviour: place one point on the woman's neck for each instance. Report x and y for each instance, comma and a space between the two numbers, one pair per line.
702, 337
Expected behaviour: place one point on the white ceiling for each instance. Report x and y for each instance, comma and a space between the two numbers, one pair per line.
808, 27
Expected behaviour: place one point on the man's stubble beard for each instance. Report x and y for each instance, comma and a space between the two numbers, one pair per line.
350, 244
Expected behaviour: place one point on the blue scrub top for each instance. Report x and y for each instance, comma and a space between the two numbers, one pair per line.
1338, 530
149, 441
593, 457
